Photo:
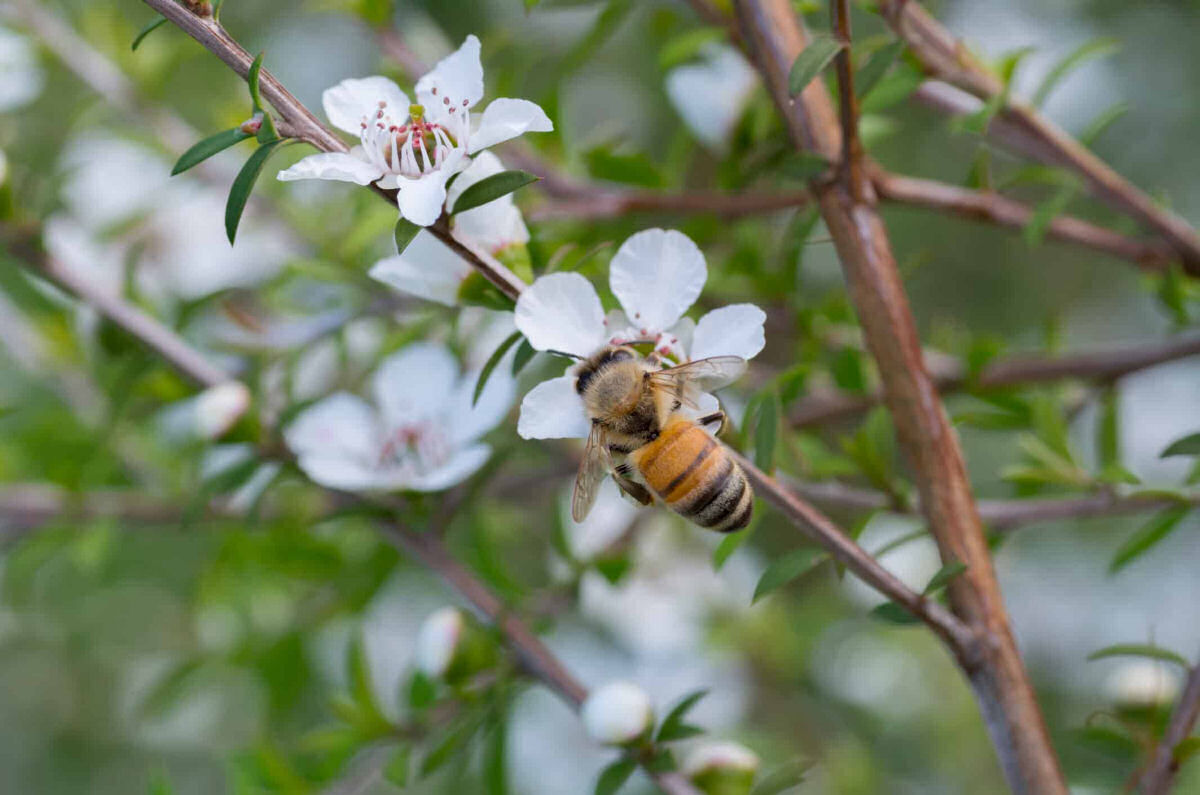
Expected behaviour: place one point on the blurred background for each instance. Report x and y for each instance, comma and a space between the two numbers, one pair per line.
148, 645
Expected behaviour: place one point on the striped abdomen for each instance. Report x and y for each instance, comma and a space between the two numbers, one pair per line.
692, 473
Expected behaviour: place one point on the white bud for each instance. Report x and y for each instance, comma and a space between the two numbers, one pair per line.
721, 768
1143, 684
438, 640
218, 408
617, 713
3, 167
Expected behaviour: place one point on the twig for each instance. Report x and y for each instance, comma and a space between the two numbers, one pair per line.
853, 159
1159, 775
947, 59
774, 39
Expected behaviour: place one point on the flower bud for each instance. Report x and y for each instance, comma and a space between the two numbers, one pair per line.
252, 125
452, 647
618, 713
217, 408
1143, 684
721, 768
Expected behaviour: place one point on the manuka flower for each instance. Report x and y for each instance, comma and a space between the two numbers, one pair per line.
430, 270
711, 94
656, 276
422, 433
416, 148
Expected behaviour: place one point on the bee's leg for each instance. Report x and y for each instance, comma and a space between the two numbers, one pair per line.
621, 474
717, 418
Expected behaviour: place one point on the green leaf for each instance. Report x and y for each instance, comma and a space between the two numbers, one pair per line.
1172, 294
1188, 445
492, 188
1108, 429
811, 61
944, 575
783, 570
252, 81
766, 431
633, 168
421, 691
1088, 51
673, 727
151, 26
687, 46
1140, 650
894, 614
404, 233
803, 166
243, 185
1102, 122
359, 673
495, 763
876, 67
848, 372
1187, 748
613, 777
491, 363
524, 353
613, 568
207, 148
396, 770
449, 746
1045, 212
476, 290
781, 778
729, 544
1150, 534
160, 783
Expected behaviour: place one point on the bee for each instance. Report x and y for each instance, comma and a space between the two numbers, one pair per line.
636, 413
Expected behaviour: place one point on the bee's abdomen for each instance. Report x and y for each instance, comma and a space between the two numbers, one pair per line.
695, 477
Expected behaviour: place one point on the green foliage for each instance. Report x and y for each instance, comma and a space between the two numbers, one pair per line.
782, 778
673, 726
944, 576
403, 233
207, 148
492, 188
1147, 537
876, 67
631, 169
1185, 446
243, 186
1140, 650
783, 570
892, 613
613, 777
491, 363
1088, 51
811, 61
154, 24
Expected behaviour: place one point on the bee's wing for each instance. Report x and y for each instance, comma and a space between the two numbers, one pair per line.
592, 469
706, 374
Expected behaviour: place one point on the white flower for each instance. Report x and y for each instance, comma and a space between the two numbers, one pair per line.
421, 434
711, 95
721, 768
617, 713
207, 415
21, 79
656, 276
430, 270
416, 148
438, 640
1143, 683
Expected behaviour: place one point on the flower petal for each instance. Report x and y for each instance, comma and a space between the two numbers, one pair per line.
351, 101
461, 466
561, 312
495, 225
421, 200
656, 275
457, 77
468, 421
735, 330
710, 96
332, 165
347, 474
553, 410
414, 384
504, 119
426, 269
336, 442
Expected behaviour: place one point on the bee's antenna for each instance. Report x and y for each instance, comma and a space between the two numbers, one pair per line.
564, 354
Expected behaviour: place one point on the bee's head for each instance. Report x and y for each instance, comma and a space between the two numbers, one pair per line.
610, 382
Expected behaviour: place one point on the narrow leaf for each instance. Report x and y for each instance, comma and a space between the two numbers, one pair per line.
396, 770
492, 188
634, 168
1077, 57
252, 81
1108, 429
495, 763
243, 185
1035, 230
207, 148
674, 720
1150, 534
876, 67
781, 778
894, 614
944, 575
151, 26
803, 166
729, 544
491, 363
782, 571
1188, 445
1187, 748
766, 431
613, 777
404, 233
687, 46
524, 353
1098, 125
1140, 650
811, 61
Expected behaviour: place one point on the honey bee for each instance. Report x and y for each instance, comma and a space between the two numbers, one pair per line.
635, 410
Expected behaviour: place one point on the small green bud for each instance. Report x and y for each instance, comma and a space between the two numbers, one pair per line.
722, 768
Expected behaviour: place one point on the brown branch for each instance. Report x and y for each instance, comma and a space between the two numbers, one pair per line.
947, 59
853, 159
1160, 774
979, 205
951, 376
997, 675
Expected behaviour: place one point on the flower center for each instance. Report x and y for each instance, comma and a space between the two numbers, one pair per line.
421, 446
411, 145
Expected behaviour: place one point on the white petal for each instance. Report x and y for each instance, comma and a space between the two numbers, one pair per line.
468, 422
332, 165
617, 713
461, 466
346, 474
350, 101
456, 77
414, 384
495, 225
710, 96
421, 200
340, 426
735, 330
553, 410
484, 165
437, 641
426, 269
504, 119
561, 312
656, 275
